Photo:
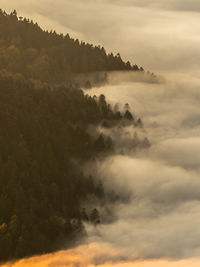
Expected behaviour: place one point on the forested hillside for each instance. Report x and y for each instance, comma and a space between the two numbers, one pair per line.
43, 142
49, 56
44, 137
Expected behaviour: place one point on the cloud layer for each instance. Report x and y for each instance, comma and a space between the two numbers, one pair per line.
159, 226
84, 256
162, 219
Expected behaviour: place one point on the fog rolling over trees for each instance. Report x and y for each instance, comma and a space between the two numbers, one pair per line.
49, 131
45, 140
99, 159
158, 223
162, 217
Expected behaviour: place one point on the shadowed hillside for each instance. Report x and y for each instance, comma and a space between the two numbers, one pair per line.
49, 56
45, 137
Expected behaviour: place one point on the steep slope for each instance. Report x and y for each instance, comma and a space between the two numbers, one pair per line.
45, 137
47, 56
43, 143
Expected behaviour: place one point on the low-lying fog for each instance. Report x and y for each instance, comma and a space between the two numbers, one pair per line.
170, 113
159, 226
162, 220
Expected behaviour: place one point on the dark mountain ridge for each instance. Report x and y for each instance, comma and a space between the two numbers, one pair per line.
44, 137
48, 56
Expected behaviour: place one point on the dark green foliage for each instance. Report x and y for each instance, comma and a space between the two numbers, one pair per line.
48, 56
84, 215
94, 217
139, 123
44, 137
43, 140
128, 115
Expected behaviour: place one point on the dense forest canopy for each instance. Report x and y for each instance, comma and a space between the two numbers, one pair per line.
44, 140
41, 134
48, 56
44, 137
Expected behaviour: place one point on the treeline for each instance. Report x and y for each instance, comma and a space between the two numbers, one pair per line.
47, 56
44, 136
43, 141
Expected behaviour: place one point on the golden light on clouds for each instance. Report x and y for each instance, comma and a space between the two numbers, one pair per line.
162, 220
90, 255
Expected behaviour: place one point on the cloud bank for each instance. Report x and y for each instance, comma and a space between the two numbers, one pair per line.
159, 225
161, 220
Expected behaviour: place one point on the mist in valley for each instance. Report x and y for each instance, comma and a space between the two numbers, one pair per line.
158, 223
160, 219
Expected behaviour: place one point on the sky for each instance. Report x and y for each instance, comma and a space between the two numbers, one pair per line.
159, 226
157, 34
